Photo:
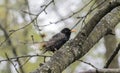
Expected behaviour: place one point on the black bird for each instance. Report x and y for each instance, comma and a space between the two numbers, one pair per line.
58, 40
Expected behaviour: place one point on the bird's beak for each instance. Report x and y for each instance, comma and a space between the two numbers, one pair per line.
73, 30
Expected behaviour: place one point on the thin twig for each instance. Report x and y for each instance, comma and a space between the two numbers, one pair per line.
19, 57
88, 64
28, 23
11, 62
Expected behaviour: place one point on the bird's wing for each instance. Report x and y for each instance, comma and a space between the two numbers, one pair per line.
57, 39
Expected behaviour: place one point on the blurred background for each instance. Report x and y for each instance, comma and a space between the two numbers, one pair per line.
25, 23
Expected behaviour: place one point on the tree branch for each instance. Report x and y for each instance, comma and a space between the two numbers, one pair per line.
115, 52
102, 71
79, 46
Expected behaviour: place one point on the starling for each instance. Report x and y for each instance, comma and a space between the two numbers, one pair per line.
58, 40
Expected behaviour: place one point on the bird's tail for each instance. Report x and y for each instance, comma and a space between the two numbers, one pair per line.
39, 48
43, 51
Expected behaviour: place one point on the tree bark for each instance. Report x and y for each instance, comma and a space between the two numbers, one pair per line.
84, 41
110, 42
102, 71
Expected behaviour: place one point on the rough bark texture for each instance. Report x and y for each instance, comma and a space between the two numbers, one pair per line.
110, 42
84, 41
102, 71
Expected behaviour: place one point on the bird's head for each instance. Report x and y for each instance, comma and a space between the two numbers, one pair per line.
67, 31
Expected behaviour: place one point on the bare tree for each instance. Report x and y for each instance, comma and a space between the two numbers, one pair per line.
99, 20
98, 26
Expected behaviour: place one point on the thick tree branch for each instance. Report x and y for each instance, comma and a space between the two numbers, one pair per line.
102, 71
80, 45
